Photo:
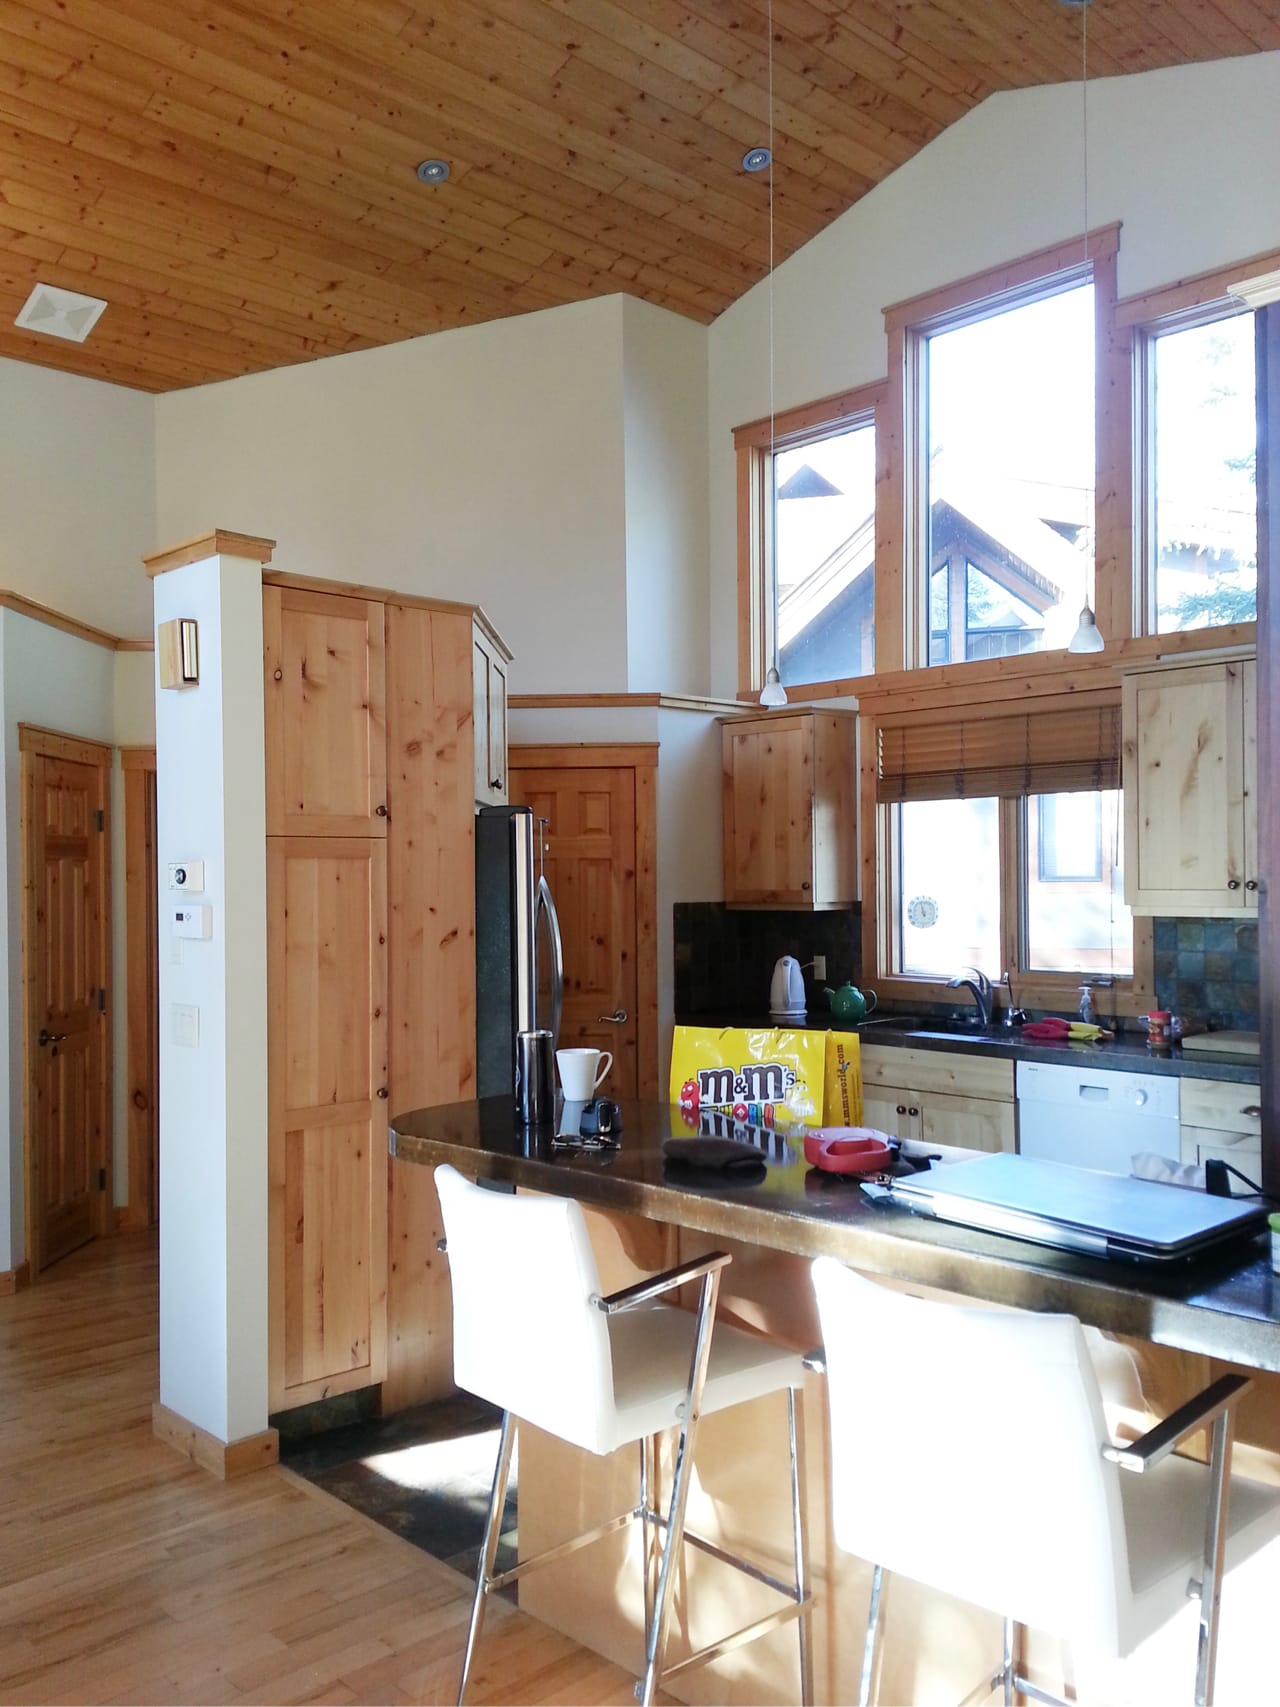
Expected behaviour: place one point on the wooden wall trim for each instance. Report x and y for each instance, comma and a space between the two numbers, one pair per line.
389, 596
1196, 291
15, 1279
544, 755
1011, 278
137, 758
52, 744
23, 606
624, 702
222, 1458
219, 542
802, 422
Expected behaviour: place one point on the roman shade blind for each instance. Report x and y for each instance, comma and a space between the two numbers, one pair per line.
976, 753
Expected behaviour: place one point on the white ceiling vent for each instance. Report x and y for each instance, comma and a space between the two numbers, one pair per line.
60, 313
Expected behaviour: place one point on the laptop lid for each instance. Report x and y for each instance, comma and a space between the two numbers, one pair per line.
1075, 1209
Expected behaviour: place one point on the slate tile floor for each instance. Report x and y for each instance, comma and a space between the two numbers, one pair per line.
425, 1473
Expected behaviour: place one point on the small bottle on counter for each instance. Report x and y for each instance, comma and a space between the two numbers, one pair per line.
1273, 1222
1088, 1013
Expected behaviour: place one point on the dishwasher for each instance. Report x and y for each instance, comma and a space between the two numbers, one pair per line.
1092, 1118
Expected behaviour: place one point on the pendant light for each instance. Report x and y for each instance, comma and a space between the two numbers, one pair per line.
1088, 636
772, 694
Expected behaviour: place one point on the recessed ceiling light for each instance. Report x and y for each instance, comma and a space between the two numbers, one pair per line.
756, 159
60, 313
433, 171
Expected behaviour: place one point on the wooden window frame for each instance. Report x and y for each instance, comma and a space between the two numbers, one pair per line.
1053, 990
1195, 301
756, 443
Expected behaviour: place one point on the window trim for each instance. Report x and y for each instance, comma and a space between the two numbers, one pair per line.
755, 444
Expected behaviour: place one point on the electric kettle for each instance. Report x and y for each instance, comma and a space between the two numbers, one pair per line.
786, 993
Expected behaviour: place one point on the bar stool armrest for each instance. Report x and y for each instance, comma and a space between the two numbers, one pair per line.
656, 1284
1198, 1412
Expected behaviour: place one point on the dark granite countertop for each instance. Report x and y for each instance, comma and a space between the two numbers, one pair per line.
1126, 1053
1227, 1307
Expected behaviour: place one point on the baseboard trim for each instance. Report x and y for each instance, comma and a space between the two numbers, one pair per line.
14, 1279
221, 1458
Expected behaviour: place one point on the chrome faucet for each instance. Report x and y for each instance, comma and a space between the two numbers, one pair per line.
980, 987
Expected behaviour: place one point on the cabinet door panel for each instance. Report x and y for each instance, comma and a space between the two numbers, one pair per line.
968, 1123
325, 714
887, 1110
1249, 699
768, 813
1184, 781
490, 690
327, 1073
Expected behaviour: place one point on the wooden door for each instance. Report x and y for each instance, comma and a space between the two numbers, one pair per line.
600, 865
1184, 786
327, 1093
142, 973
65, 952
325, 687
768, 812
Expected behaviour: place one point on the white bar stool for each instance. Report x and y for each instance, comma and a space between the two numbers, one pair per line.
533, 1335
1017, 1499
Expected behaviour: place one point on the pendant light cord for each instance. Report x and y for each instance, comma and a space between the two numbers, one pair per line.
1084, 116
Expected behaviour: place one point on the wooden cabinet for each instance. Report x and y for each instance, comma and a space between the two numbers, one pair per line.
1223, 1120
939, 1098
374, 749
325, 687
327, 1078
490, 688
790, 828
1190, 789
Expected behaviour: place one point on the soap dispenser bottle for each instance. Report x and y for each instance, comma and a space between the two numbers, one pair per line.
1088, 1013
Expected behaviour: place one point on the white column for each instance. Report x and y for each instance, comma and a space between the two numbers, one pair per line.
213, 1004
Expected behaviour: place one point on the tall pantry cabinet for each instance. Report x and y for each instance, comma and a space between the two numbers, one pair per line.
372, 750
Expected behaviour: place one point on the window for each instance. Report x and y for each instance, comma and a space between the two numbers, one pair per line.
1007, 459
1203, 511
1001, 848
807, 542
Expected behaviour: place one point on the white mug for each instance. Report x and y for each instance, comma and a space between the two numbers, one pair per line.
581, 1070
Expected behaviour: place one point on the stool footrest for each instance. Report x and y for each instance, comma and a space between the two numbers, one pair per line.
561, 1550
748, 1633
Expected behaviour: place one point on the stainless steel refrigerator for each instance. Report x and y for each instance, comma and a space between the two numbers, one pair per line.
519, 956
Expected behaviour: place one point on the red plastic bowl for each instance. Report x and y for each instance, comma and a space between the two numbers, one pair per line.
847, 1150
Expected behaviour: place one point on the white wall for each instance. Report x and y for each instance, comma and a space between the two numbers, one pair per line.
665, 402
1185, 158
54, 681
484, 465
77, 494
213, 1097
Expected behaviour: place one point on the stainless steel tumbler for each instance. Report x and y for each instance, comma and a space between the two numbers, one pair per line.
535, 1079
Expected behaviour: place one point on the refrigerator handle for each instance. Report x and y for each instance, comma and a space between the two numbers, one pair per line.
557, 960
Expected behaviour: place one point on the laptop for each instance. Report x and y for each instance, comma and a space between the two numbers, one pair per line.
1113, 1216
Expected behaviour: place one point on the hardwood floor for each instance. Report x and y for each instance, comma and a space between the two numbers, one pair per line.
128, 1575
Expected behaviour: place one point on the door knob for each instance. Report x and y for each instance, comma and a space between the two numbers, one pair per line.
50, 1037
617, 1017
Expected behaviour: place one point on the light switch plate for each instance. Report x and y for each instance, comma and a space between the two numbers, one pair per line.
194, 921
184, 1025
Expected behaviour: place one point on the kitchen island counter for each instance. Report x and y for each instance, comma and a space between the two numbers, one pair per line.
1223, 1307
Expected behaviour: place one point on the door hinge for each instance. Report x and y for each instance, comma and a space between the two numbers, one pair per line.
102, 819
102, 1000
102, 1179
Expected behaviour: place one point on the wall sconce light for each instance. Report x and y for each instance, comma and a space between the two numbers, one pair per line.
178, 652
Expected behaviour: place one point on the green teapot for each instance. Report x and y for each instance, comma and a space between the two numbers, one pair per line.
848, 1002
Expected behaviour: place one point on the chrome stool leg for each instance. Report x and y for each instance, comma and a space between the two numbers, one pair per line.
799, 1538
873, 1638
1007, 1663
489, 1548
648, 1527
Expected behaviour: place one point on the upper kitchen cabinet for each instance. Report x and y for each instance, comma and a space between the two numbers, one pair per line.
489, 682
325, 683
1190, 789
789, 817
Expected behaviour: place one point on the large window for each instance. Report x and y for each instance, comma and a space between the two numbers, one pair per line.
807, 542
1001, 844
1007, 463
1202, 428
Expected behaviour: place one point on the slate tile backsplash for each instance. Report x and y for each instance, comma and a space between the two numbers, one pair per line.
1207, 969
724, 957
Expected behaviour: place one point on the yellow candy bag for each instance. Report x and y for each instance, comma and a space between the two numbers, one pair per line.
842, 1089
760, 1078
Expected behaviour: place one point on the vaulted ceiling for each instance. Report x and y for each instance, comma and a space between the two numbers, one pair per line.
237, 177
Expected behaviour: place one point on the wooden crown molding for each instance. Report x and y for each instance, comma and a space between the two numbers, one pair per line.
23, 606
220, 542
622, 701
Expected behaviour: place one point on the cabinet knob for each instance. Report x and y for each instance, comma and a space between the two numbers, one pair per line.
1233, 883
495, 782
913, 1111
1253, 1110
902, 1108
806, 884
380, 811
1251, 883
383, 1093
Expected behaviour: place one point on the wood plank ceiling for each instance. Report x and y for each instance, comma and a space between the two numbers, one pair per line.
237, 177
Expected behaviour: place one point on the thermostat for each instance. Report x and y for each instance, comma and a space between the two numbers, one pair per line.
187, 874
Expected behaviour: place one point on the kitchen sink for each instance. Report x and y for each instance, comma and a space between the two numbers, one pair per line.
920, 1026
